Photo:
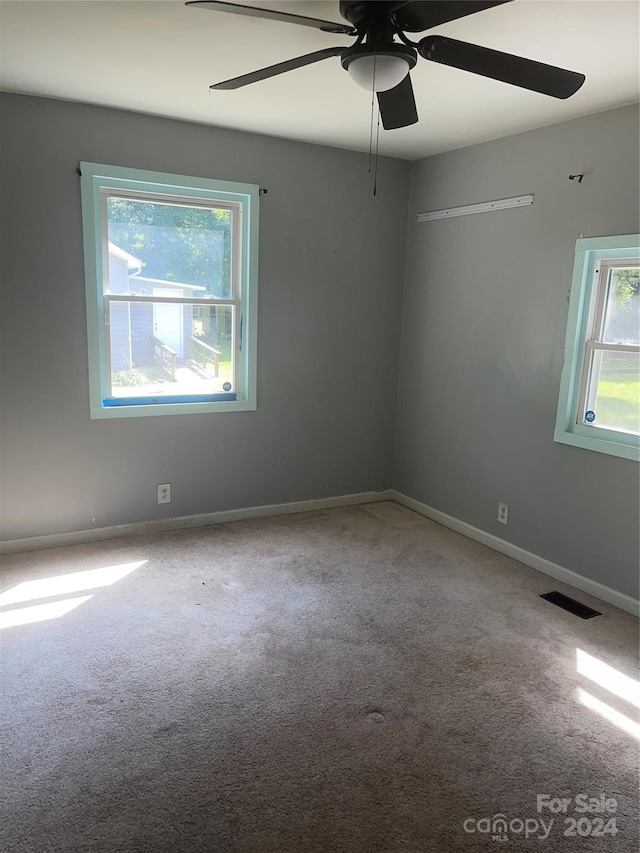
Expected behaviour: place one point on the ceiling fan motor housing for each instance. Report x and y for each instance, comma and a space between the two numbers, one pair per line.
375, 47
365, 15
372, 20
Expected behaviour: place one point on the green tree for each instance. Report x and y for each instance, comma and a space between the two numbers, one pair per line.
623, 309
175, 242
627, 283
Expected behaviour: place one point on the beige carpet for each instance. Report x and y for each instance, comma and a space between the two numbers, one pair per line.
356, 680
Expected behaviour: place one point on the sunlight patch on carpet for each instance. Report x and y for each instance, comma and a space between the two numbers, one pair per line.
608, 677
40, 612
620, 720
64, 584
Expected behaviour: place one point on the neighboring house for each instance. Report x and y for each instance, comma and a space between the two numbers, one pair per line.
133, 325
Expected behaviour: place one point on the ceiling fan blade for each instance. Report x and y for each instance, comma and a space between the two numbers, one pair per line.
280, 68
414, 16
272, 15
536, 76
398, 106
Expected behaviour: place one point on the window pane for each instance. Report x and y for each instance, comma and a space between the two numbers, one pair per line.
166, 349
171, 245
622, 311
613, 398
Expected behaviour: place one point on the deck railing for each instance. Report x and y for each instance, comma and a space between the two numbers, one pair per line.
164, 356
203, 354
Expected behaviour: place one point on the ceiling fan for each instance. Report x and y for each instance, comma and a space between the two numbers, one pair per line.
380, 63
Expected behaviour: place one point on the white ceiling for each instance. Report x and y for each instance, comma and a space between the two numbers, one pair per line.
161, 57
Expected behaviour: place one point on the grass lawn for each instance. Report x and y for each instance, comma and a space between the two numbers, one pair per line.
618, 402
225, 359
153, 379
142, 375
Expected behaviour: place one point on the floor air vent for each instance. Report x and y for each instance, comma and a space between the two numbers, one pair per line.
571, 605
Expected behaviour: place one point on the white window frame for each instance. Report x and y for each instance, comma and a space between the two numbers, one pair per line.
98, 183
594, 257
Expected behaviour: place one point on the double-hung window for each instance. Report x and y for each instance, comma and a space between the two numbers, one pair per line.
171, 275
599, 407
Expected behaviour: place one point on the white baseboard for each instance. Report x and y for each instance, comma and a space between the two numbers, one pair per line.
78, 537
598, 590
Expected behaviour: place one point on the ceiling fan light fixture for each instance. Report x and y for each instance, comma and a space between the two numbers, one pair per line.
379, 73
378, 70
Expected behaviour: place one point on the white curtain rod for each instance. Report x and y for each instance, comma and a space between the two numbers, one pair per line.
466, 210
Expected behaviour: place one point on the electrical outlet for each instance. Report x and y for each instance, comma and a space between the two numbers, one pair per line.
164, 493
503, 513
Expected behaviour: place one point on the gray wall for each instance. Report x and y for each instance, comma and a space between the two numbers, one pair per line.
484, 318
485, 306
331, 270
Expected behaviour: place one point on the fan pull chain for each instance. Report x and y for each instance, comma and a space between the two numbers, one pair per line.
374, 155
375, 170
371, 132
373, 100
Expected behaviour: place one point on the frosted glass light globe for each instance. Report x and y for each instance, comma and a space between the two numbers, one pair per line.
378, 72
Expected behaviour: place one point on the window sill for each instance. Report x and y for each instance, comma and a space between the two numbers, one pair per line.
159, 409
625, 447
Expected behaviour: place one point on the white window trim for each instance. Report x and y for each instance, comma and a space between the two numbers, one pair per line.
579, 324
245, 199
